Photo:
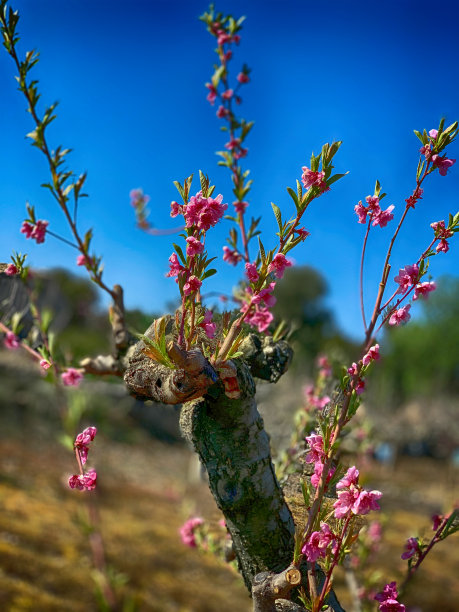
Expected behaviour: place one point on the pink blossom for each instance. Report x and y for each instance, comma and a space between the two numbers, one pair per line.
27, 229
240, 153
411, 548
388, 599
223, 38
373, 203
417, 195
318, 469
222, 112
265, 295
228, 94
192, 285
302, 233
316, 448
204, 213
71, 377
175, 268
83, 482
372, 355
345, 502
423, 290
426, 150
402, 315
251, 271
11, 341
324, 365
318, 543
240, 207
353, 370
311, 178
231, 256
207, 324
383, 217
176, 209
407, 276
44, 363
442, 246
350, 478
375, 532
359, 386
260, 318
211, 96
187, 531
84, 260
433, 134
234, 143
138, 198
11, 270
194, 246
278, 265
442, 163
391, 605
320, 402
37, 232
389, 592
361, 211
242, 77
82, 442
366, 501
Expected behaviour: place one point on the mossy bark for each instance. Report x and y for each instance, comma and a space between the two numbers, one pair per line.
230, 439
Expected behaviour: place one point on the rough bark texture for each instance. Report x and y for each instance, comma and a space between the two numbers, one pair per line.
231, 442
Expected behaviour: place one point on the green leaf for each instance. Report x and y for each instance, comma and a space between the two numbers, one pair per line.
180, 253
208, 273
420, 136
262, 251
278, 216
294, 197
335, 178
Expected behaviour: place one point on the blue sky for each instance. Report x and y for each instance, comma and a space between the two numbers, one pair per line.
130, 77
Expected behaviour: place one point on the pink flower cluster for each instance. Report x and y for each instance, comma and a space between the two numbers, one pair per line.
401, 315
314, 400
318, 543
411, 548
417, 195
373, 210
11, 270
441, 233
257, 307
231, 256
187, 531
311, 178
82, 442
192, 285
423, 289
352, 498
388, 599
85, 481
138, 198
407, 277
84, 260
359, 385
35, 231
278, 265
372, 355
209, 327
11, 341
316, 455
71, 377
234, 145
325, 369
442, 163
201, 212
